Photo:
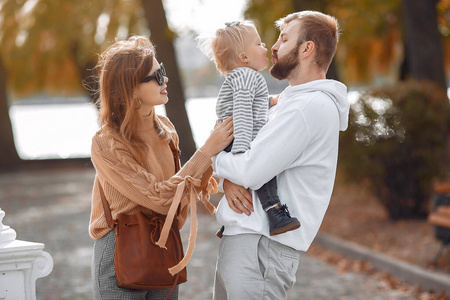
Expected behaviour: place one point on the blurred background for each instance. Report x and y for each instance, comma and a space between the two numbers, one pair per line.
49, 50
394, 56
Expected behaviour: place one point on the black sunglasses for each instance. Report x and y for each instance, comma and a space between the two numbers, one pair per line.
158, 75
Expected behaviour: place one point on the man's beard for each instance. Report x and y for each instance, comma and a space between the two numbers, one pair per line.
283, 67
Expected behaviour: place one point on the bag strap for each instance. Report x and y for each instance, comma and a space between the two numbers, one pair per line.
176, 155
111, 223
178, 248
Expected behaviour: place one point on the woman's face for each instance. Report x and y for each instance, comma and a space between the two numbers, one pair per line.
151, 93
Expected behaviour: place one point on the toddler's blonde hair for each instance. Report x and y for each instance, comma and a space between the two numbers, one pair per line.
223, 46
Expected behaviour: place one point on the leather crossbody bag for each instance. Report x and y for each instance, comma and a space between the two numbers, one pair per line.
139, 263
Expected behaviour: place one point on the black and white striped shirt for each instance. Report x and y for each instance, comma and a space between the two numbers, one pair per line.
244, 95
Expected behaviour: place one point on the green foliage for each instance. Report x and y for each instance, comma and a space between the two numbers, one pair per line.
397, 138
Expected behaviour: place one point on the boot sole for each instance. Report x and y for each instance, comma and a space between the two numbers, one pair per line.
286, 228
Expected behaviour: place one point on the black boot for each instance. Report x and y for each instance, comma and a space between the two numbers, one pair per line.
280, 221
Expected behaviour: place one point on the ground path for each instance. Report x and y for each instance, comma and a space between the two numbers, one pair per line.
53, 207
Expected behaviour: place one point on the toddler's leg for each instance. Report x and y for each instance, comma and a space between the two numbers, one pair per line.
280, 220
268, 194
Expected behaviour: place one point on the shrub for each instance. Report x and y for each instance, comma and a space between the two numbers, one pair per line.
397, 138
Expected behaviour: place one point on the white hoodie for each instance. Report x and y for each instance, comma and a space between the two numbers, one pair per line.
299, 145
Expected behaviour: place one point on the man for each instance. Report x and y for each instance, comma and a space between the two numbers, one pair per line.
298, 145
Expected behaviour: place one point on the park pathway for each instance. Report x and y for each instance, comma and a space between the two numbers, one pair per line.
52, 206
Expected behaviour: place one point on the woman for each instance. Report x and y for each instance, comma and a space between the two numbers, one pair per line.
133, 159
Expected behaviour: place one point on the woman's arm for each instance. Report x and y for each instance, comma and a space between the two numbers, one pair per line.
273, 100
115, 164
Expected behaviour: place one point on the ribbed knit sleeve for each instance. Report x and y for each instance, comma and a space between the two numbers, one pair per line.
115, 164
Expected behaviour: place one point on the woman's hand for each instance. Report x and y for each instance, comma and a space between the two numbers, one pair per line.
239, 198
274, 100
220, 137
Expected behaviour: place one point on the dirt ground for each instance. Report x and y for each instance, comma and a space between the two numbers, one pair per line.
354, 215
357, 215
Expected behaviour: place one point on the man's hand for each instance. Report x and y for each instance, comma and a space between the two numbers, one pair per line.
239, 198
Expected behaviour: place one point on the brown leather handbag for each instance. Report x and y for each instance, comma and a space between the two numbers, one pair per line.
139, 263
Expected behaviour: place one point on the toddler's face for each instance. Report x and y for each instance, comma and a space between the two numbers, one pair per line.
256, 52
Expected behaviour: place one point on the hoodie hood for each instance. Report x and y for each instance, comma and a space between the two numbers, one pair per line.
334, 89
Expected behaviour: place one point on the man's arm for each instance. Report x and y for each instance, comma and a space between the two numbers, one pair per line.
275, 147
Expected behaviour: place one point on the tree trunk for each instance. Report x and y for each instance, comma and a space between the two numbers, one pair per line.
425, 52
87, 74
9, 156
163, 37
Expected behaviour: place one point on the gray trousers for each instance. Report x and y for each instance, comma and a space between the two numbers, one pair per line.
104, 281
251, 266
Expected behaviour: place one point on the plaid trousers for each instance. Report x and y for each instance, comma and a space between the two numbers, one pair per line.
104, 281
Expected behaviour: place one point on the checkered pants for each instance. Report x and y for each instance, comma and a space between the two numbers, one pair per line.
104, 276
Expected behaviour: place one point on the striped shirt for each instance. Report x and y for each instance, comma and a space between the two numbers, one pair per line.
244, 95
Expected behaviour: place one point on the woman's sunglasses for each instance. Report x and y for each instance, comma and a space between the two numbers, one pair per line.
158, 75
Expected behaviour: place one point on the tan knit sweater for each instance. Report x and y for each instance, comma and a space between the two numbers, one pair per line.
155, 187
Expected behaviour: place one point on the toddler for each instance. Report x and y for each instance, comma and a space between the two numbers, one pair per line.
239, 55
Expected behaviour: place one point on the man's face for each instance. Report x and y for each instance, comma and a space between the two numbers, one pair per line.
285, 51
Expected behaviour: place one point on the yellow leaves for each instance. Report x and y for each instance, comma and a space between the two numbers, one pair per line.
264, 13
47, 46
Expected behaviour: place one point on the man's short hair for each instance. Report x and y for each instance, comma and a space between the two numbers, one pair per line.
320, 28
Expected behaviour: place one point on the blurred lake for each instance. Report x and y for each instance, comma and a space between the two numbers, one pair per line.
63, 128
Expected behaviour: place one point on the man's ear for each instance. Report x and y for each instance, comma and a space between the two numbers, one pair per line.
307, 49
243, 58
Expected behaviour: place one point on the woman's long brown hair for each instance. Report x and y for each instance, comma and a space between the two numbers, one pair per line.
121, 67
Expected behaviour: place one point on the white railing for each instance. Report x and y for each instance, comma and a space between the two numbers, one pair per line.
21, 264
